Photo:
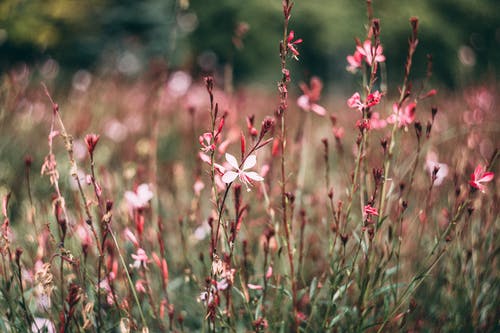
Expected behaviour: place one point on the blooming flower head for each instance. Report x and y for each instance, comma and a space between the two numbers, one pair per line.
245, 176
376, 122
354, 102
370, 53
206, 143
292, 43
436, 169
140, 258
354, 61
308, 101
403, 116
479, 177
139, 198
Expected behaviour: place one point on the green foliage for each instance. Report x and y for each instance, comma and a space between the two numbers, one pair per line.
96, 30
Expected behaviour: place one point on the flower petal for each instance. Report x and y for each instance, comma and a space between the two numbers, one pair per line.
303, 102
318, 109
232, 161
249, 162
132, 199
254, 176
487, 177
229, 177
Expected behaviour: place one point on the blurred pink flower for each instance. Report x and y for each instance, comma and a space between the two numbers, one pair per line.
480, 176
198, 186
84, 235
139, 286
245, 176
222, 284
139, 198
354, 61
205, 158
308, 101
140, 259
338, 132
376, 122
355, 101
371, 53
403, 117
129, 235
269, 272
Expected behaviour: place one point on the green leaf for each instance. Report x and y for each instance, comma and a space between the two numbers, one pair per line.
340, 291
312, 288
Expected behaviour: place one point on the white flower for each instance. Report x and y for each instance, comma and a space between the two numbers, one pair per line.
140, 259
43, 325
139, 198
245, 176
431, 163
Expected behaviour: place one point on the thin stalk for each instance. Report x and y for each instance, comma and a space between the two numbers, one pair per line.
129, 279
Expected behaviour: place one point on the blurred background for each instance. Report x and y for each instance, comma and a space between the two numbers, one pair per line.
60, 37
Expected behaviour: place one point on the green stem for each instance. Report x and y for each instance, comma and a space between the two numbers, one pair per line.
131, 284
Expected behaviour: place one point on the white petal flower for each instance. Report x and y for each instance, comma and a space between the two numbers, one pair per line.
244, 176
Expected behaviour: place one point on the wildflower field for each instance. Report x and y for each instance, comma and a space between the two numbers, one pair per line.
179, 201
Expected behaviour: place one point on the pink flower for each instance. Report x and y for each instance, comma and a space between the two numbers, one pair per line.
84, 235
370, 53
129, 235
139, 198
222, 284
140, 286
198, 186
355, 101
376, 122
269, 272
369, 210
354, 61
291, 43
206, 143
245, 176
104, 284
307, 101
338, 132
140, 259
373, 99
205, 158
480, 176
403, 117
